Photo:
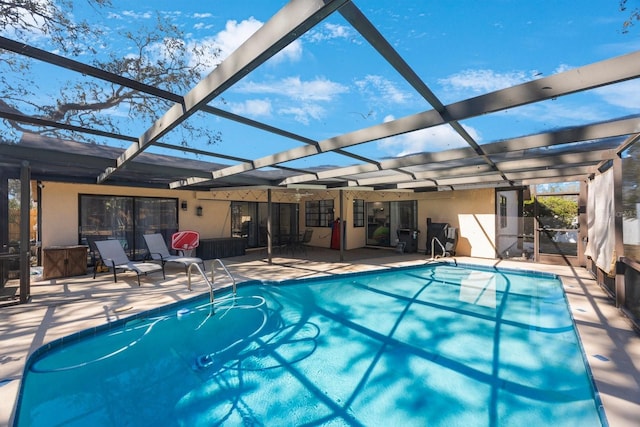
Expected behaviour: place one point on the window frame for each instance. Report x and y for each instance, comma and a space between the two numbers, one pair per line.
129, 227
358, 213
319, 213
503, 211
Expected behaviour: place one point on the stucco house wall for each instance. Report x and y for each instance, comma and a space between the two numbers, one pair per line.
471, 211
59, 204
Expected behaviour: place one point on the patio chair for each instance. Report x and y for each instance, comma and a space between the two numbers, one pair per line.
96, 262
301, 243
160, 252
306, 238
185, 241
114, 257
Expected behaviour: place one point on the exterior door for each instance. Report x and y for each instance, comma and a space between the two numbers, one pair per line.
542, 225
514, 231
557, 228
386, 218
249, 221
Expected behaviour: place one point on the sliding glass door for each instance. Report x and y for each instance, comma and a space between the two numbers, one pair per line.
126, 219
249, 220
384, 219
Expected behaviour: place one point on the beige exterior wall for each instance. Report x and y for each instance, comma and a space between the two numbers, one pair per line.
59, 204
472, 212
60, 211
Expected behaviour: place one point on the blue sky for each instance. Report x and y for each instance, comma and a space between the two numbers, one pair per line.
331, 81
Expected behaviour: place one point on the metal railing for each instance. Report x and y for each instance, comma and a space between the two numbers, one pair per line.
444, 251
204, 276
213, 270
212, 281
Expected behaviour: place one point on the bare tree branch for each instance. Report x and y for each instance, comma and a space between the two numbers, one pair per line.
160, 58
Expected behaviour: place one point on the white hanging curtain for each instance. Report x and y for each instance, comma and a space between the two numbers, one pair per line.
601, 222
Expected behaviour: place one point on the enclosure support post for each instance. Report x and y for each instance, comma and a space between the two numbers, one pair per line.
269, 228
25, 244
341, 225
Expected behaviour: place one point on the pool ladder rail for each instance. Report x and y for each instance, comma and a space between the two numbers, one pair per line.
211, 282
444, 251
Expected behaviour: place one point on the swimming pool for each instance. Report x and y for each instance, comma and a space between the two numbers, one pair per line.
436, 345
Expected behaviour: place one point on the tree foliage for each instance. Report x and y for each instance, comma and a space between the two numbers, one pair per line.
634, 15
157, 55
631, 179
25, 18
552, 211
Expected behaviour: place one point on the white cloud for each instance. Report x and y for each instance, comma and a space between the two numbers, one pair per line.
223, 44
137, 15
304, 113
482, 81
252, 108
202, 26
301, 99
557, 113
381, 89
562, 68
568, 111
625, 94
329, 31
319, 89
202, 15
236, 33
433, 139
551, 113
34, 23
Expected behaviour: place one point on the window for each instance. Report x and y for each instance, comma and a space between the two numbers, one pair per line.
358, 213
503, 212
514, 228
319, 213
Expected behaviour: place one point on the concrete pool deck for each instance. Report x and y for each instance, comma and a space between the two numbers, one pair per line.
60, 307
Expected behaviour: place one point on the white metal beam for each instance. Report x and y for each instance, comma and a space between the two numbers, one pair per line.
548, 139
293, 20
590, 76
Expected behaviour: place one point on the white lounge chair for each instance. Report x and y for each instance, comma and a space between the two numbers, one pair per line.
114, 257
160, 252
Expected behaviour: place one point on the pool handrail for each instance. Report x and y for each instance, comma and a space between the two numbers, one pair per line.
212, 281
224, 267
204, 276
444, 252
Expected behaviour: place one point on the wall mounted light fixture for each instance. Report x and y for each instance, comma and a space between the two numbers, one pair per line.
183, 205
199, 211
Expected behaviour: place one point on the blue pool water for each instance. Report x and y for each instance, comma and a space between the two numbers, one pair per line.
437, 345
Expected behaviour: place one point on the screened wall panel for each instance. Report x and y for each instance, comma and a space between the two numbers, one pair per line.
601, 226
631, 202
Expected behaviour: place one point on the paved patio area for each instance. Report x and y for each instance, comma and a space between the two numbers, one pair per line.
60, 307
